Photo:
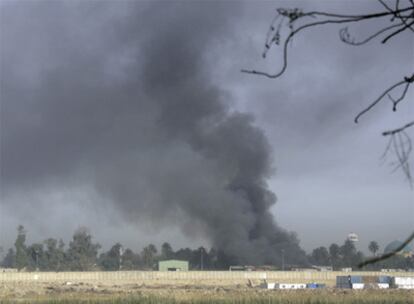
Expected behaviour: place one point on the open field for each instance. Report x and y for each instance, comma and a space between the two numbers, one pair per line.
182, 287
134, 293
51, 293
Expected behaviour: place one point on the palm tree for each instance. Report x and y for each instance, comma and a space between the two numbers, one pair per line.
373, 247
148, 255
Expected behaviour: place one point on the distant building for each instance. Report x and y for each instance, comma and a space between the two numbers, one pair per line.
237, 268
322, 268
353, 237
407, 251
347, 269
304, 269
242, 268
173, 265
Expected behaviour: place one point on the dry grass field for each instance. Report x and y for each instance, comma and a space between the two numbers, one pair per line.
141, 293
167, 290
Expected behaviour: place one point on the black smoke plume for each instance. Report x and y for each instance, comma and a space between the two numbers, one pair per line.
121, 97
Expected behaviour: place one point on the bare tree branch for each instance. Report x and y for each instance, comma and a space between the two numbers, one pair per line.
396, 102
407, 80
368, 16
397, 32
397, 15
394, 131
345, 37
294, 14
399, 141
403, 18
402, 147
402, 152
285, 46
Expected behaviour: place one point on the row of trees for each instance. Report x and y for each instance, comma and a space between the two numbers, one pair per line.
347, 255
82, 254
337, 256
51, 255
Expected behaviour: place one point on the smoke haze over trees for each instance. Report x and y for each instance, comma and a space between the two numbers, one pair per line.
156, 138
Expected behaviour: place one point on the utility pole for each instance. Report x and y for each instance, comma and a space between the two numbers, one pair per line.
37, 259
283, 259
120, 258
201, 258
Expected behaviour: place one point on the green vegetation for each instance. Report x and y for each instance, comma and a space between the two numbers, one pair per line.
82, 254
21, 257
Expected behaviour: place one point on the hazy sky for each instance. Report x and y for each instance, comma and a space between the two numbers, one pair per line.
89, 138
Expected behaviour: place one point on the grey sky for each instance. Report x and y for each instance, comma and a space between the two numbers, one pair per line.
71, 156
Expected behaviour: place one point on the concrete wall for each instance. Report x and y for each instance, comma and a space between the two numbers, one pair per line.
184, 277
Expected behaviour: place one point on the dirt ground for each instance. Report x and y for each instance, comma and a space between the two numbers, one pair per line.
15, 290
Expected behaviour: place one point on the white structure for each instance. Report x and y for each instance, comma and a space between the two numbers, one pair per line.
353, 237
357, 285
290, 286
403, 282
268, 285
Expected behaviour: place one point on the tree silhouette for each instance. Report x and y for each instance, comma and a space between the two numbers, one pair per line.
82, 252
21, 259
373, 247
166, 251
148, 255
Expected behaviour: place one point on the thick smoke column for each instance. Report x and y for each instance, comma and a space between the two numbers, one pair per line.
124, 101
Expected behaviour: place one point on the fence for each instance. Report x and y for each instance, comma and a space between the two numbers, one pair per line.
185, 277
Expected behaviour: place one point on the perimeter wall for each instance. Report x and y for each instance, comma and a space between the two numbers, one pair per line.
185, 277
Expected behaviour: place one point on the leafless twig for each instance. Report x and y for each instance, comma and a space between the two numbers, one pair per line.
401, 145
346, 37
397, 15
294, 15
392, 132
406, 26
407, 81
